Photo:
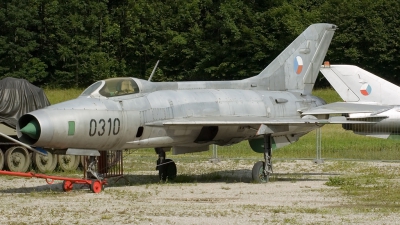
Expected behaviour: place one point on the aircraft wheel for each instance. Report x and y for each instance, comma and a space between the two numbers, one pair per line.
96, 186
45, 163
17, 159
258, 173
1, 159
67, 186
68, 162
167, 171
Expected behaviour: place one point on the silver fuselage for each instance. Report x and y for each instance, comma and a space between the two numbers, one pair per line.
387, 122
113, 123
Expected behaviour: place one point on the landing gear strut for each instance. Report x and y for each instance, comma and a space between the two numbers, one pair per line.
92, 168
166, 167
262, 170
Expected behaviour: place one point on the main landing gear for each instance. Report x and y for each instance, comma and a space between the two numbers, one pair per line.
262, 170
166, 167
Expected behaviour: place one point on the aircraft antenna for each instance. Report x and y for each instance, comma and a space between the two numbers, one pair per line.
154, 70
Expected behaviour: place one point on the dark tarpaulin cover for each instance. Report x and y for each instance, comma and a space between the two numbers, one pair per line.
18, 97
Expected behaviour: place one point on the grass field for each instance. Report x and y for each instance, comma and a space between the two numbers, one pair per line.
57, 95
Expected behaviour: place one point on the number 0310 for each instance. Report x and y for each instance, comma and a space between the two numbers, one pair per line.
102, 127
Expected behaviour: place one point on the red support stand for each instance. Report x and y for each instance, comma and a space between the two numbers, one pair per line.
109, 164
96, 186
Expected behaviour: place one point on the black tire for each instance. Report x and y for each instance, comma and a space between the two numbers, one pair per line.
258, 173
167, 171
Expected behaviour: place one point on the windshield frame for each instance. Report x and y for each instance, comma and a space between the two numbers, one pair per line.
112, 87
92, 89
119, 86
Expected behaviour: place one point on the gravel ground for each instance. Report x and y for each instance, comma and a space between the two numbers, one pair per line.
297, 195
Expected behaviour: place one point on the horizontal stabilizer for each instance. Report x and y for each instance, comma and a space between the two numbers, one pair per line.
345, 107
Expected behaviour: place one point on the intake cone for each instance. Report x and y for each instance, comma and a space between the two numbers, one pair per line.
32, 129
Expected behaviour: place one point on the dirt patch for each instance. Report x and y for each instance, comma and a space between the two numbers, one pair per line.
297, 194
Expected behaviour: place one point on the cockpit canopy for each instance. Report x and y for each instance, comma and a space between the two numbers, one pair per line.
113, 87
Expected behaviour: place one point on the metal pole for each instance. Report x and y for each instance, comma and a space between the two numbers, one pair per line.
214, 158
318, 146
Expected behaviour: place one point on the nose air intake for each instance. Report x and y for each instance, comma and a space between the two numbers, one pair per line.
30, 130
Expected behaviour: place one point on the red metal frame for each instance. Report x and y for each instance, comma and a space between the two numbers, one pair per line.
95, 185
110, 164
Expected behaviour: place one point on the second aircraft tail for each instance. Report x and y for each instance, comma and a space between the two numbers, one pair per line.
354, 84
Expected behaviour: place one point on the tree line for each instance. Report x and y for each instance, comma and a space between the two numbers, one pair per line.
72, 43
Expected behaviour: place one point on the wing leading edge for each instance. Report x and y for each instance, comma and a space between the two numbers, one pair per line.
192, 121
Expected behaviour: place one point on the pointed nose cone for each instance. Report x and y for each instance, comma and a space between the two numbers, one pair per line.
32, 129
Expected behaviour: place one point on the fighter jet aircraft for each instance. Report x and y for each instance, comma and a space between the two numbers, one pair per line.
362, 89
131, 113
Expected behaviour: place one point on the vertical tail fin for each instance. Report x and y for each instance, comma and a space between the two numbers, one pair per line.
354, 84
297, 67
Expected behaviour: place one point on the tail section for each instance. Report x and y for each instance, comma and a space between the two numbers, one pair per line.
354, 84
297, 67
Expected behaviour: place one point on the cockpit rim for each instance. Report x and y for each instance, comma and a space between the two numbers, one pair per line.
112, 87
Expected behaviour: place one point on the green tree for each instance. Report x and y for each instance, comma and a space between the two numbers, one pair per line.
367, 36
75, 42
18, 41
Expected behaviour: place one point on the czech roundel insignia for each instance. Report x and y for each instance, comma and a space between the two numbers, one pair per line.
366, 89
298, 64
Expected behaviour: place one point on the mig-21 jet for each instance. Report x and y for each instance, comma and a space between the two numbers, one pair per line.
131, 113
